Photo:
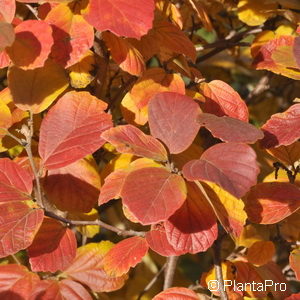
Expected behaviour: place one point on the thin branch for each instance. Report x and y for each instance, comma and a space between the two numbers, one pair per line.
19, 141
28, 133
34, 12
229, 42
16, 260
170, 271
152, 282
96, 222
218, 267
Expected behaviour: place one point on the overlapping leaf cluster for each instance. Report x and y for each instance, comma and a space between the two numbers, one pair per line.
133, 100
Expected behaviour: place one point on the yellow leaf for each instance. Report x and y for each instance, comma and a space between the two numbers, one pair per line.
251, 234
255, 12
81, 74
261, 252
36, 89
5, 118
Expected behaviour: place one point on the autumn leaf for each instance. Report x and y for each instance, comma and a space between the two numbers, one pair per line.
153, 194
32, 45
125, 255
36, 89
271, 202
230, 129
7, 10
165, 111
286, 154
74, 188
193, 227
294, 262
53, 248
130, 19
19, 224
15, 182
282, 128
129, 139
84, 121
14, 276
222, 100
232, 166
5, 118
125, 54
261, 252
87, 268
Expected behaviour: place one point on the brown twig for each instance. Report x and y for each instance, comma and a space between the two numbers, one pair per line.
33, 11
96, 222
229, 42
152, 282
170, 271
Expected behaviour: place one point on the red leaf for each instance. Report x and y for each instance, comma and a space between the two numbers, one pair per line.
125, 255
53, 248
7, 35
18, 226
124, 18
177, 293
65, 289
80, 133
129, 139
16, 282
232, 166
193, 227
74, 188
73, 36
113, 186
293, 297
158, 242
229, 129
87, 268
15, 182
282, 128
173, 119
32, 45
223, 100
271, 202
4, 59
7, 10
153, 194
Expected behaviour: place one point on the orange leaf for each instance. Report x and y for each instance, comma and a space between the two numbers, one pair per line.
32, 44
73, 36
282, 128
125, 255
36, 89
295, 262
87, 268
129, 139
124, 54
4, 59
153, 194
16, 282
79, 135
173, 119
7, 35
129, 18
19, 224
271, 202
177, 293
5, 118
287, 154
216, 165
261, 252
74, 188
53, 248
223, 100
229, 129
193, 227
15, 182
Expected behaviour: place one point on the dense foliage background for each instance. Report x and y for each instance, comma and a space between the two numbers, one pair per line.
184, 113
